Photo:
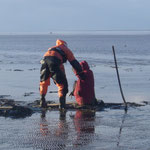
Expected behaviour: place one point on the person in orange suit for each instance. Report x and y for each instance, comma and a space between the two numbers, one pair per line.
52, 67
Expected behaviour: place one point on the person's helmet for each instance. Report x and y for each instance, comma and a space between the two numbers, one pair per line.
60, 42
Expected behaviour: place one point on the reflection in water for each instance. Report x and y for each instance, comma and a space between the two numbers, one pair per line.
121, 127
44, 125
84, 126
61, 136
54, 132
53, 138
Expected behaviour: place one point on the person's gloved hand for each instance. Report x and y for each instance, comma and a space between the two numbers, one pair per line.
79, 93
82, 75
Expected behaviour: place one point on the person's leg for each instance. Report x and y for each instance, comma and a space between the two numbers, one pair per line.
44, 83
62, 92
59, 78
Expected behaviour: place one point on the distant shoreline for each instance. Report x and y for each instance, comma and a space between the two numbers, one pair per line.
83, 32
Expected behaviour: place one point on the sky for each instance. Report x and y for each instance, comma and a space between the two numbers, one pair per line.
60, 15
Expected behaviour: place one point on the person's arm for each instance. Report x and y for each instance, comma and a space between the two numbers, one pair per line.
74, 63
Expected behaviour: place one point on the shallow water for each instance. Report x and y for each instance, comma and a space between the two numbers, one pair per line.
109, 129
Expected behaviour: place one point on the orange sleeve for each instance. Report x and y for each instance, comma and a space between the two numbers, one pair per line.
68, 52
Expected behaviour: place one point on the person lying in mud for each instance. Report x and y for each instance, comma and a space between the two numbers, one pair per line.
52, 67
83, 90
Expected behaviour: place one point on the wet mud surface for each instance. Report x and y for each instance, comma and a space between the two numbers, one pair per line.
20, 109
80, 129
25, 126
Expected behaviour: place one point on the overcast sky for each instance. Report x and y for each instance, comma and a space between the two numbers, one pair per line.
54, 15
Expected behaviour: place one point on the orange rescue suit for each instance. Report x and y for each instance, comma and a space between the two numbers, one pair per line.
52, 67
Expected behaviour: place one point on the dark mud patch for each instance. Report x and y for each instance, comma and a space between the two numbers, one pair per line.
18, 70
122, 106
28, 94
18, 109
4, 96
16, 112
146, 102
36, 103
7, 102
13, 109
14, 70
32, 69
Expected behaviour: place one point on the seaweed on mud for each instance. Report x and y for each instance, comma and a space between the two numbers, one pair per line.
18, 112
7, 102
121, 105
14, 109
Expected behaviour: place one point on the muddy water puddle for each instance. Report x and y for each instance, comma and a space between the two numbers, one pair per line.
110, 129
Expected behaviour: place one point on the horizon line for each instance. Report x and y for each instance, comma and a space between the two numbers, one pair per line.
57, 32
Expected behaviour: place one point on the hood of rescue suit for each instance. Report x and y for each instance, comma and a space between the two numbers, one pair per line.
61, 42
84, 65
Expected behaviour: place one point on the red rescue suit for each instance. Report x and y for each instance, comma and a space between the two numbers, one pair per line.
84, 89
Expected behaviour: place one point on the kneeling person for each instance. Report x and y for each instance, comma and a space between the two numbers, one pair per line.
83, 90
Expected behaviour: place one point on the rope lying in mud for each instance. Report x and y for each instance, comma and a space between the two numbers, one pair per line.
116, 66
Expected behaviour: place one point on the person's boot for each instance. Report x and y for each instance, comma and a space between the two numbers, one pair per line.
43, 103
62, 101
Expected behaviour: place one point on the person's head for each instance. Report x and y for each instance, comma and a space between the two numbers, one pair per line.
60, 42
84, 65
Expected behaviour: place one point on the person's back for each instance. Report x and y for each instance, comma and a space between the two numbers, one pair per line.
84, 89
